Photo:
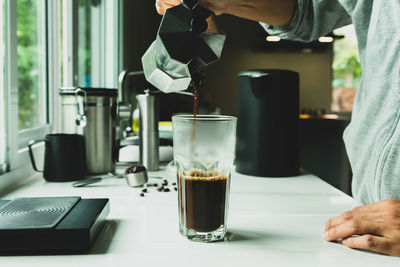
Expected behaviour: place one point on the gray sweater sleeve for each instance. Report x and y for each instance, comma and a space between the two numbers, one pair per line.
312, 19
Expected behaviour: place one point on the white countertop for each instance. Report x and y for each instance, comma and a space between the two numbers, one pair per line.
272, 222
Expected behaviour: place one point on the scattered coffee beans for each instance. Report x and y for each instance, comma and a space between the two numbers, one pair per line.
160, 188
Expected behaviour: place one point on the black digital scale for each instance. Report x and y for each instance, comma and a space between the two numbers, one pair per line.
51, 224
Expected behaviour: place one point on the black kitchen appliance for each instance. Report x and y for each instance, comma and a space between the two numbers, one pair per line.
322, 149
50, 225
268, 117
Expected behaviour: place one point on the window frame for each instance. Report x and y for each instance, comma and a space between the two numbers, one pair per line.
3, 160
11, 84
25, 135
113, 30
17, 158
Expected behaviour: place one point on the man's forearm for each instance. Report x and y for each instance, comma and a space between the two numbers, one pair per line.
274, 12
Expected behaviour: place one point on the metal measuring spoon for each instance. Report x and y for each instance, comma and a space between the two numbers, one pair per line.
93, 180
136, 175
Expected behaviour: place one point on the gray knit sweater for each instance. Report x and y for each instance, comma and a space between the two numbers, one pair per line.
373, 137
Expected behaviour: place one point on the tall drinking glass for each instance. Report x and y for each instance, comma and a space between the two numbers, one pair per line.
204, 150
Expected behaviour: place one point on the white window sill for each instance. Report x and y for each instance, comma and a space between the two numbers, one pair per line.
23, 171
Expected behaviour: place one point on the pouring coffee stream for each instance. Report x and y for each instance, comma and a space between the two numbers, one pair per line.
196, 101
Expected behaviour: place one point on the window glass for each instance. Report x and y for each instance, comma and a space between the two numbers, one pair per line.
90, 53
346, 70
84, 41
2, 92
89, 43
31, 64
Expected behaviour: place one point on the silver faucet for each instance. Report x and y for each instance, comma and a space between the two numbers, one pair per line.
124, 108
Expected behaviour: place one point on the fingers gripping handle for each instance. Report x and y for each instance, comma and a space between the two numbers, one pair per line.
198, 11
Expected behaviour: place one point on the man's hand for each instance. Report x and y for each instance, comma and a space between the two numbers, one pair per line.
217, 6
162, 5
374, 227
274, 12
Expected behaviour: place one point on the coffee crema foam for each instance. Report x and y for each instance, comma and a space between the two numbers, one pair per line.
199, 175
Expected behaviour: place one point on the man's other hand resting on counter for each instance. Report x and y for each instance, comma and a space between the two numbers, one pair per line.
374, 227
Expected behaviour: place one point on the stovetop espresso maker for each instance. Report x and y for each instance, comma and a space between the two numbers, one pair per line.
182, 49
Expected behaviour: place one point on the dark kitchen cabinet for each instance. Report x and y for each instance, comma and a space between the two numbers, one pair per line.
322, 150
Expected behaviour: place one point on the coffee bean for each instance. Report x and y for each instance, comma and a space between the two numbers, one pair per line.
173, 183
176, 189
144, 190
160, 189
166, 189
135, 168
141, 194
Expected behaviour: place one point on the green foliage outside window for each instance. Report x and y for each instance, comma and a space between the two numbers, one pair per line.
346, 64
30, 54
28, 69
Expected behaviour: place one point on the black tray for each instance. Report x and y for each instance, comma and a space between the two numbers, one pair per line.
50, 225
